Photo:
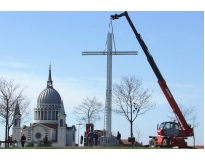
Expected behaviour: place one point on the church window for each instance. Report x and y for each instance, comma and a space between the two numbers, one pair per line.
29, 135
56, 115
53, 115
15, 122
49, 115
61, 122
45, 115
38, 115
38, 135
41, 115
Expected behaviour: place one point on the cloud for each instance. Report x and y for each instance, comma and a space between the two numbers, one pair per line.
13, 64
9, 62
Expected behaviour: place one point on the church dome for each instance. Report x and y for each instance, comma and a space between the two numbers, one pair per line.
49, 95
49, 104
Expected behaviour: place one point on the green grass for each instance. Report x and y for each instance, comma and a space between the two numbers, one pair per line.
83, 147
88, 147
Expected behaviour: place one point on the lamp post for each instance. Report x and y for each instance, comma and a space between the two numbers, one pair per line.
78, 132
6, 130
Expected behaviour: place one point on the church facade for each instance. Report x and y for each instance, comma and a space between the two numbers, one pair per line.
49, 119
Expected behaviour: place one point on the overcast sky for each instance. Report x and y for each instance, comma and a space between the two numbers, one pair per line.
30, 41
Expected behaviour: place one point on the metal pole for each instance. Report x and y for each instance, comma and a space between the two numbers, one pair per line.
78, 132
6, 130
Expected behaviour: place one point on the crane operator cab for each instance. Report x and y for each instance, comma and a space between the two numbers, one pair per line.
168, 129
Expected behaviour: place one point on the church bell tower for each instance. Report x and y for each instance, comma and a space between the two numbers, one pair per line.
62, 126
16, 130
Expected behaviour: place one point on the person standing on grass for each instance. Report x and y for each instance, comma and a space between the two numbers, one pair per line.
23, 140
118, 138
86, 135
90, 138
45, 140
96, 137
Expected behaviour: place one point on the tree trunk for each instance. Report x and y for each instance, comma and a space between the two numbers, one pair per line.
8, 136
131, 136
131, 129
194, 138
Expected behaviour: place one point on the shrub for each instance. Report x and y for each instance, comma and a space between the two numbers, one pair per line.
30, 145
41, 144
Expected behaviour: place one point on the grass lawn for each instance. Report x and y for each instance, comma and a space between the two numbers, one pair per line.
82, 147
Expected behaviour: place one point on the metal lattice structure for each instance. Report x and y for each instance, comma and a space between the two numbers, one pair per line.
108, 100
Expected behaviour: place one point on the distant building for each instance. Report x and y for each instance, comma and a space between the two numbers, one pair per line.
49, 119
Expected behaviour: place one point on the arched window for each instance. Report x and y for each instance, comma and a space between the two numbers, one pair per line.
38, 115
45, 115
41, 115
56, 115
53, 115
61, 122
49, 115
16, 121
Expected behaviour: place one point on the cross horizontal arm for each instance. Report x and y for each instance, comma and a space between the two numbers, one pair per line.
113, 53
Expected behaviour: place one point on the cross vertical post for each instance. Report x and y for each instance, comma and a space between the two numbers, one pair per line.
108, 103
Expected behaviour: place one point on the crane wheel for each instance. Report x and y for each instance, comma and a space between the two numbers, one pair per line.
152, 143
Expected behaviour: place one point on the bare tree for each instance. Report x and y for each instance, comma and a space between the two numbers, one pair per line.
89, 109
128, 94
190, 115
10, 94
138, 131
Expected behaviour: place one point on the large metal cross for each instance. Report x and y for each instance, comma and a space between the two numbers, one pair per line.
108, 103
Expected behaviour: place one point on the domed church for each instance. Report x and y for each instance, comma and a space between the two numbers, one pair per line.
49, 119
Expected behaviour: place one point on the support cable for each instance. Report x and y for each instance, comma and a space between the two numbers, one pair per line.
113, 35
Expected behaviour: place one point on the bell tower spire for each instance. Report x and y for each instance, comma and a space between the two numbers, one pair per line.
49, 82
16, 129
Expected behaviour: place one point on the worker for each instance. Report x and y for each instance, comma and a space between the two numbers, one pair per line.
90, 138
23, 140
86, 135
118, 138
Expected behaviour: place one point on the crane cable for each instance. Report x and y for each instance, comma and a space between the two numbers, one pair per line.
110, 26
113, 34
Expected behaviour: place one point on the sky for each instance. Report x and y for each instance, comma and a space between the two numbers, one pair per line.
31, 40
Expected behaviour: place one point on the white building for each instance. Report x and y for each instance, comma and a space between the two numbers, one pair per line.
49, 119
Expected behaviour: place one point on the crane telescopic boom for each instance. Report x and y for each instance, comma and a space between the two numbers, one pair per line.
186, 130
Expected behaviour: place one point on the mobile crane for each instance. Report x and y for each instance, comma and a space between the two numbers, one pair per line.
171, 133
